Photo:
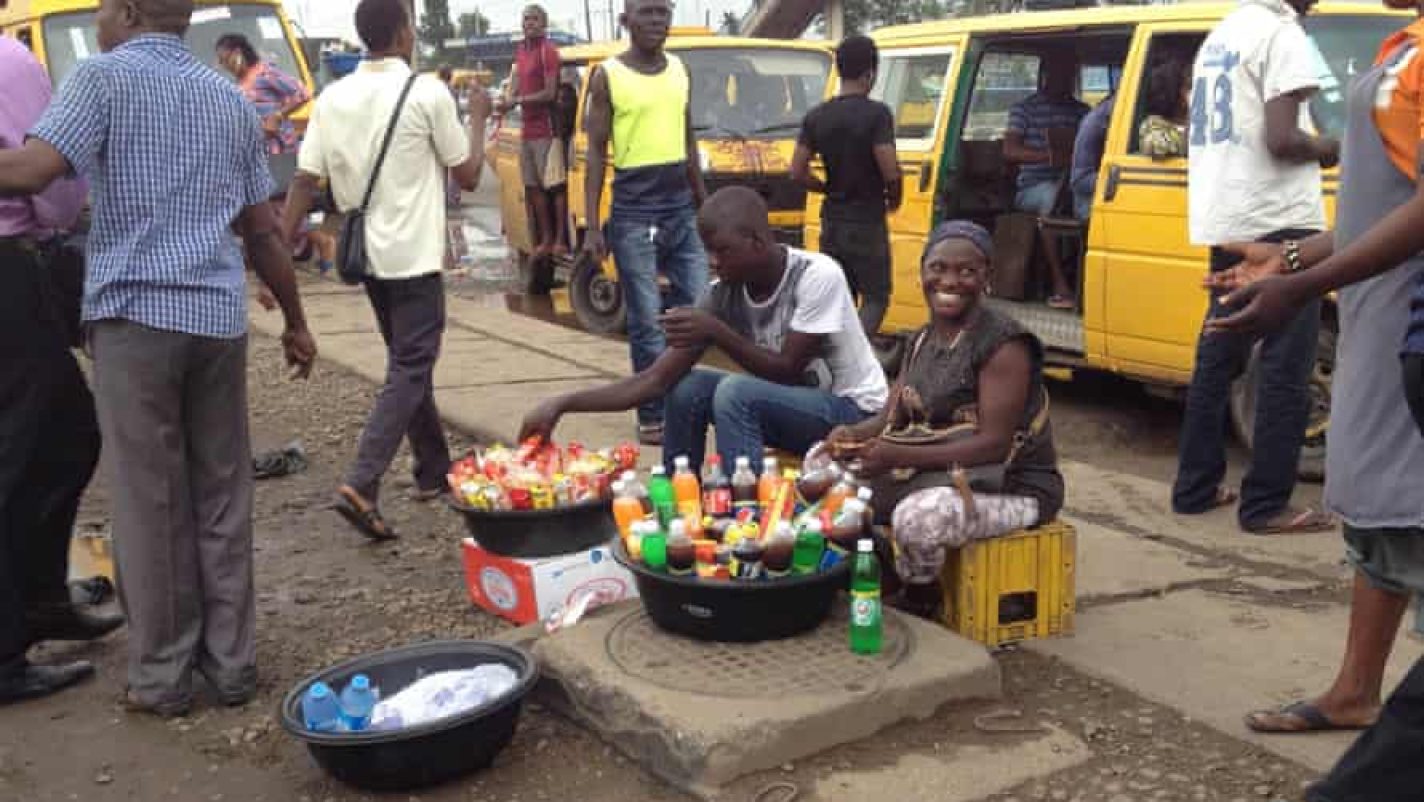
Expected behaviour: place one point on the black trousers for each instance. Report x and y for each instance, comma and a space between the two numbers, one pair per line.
49, 447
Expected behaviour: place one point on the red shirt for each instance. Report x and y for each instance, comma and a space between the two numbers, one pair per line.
536, 65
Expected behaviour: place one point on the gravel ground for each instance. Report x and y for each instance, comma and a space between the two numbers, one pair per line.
325, 594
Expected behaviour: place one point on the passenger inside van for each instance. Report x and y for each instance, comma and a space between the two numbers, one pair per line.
1038, 125
1027, 141
1088, 156
1163, 133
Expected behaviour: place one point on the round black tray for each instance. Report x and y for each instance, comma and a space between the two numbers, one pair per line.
531, 534
736, 611
419, 756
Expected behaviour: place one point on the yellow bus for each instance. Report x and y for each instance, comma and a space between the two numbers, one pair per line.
62, 33
749, 96
1139, 302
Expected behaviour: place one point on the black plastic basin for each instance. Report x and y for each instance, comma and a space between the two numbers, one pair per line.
531, 534
418, 756
732, 610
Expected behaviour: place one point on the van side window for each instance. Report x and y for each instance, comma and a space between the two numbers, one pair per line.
1163, 105
912, 86
1003, 80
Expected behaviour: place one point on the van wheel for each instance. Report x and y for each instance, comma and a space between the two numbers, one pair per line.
1311, 466
596, 299
536, 276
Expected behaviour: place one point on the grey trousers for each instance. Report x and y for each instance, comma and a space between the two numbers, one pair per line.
173, 413
411, 316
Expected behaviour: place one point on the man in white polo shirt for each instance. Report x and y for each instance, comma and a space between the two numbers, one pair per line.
405, 237
1253, 175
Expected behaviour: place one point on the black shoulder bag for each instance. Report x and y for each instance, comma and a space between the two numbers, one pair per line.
351, 248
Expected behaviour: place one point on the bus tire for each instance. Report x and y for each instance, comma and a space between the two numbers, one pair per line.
1311, 465
597, 300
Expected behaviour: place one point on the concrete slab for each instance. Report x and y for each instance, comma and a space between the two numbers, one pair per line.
1114, 563
494, 413
1215, 658
471, 360
702, 714
1143, 506
962, 775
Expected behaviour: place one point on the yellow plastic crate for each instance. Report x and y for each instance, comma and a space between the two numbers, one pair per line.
1017, 587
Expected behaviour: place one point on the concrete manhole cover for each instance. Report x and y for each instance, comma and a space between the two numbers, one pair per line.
818, 662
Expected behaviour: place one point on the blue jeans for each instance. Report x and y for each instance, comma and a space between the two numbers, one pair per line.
640, 249
1282, 410
1037, 198
749, 414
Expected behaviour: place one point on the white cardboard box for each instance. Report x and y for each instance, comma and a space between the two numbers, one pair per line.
524, 591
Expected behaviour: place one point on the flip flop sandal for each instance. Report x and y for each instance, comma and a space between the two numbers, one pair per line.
364, 518
650, 434
1307, 521
1061, 302
1225, 497
1307, 713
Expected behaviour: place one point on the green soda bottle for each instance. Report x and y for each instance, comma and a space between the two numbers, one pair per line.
661, 495
655, 548
865, 621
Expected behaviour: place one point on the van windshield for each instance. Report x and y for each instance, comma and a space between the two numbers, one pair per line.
71, 38
1345, 46
753, 92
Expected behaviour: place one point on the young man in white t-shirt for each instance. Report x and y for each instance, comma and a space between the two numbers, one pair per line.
405, 237
1253, 175
785, 316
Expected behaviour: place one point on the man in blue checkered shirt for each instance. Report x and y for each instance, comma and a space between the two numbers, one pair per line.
177, 166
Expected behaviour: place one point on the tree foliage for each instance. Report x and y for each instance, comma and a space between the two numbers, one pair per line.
435, 25
474, 23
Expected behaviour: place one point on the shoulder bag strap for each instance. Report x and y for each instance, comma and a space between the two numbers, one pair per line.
386, 144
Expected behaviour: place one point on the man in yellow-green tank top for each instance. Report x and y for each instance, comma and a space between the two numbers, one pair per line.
638, 101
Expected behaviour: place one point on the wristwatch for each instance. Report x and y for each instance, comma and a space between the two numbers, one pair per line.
1290, 251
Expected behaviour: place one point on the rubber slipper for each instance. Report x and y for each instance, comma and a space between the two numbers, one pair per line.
1290, 522
364, 517
1225, 497
650, 434
1310, 719
1062, 302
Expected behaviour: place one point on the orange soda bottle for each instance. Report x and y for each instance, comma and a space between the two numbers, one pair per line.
686, 491
627, 510
839, 493
768, 484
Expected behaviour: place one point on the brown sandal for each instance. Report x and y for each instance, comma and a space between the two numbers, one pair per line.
1295, 522
362, 515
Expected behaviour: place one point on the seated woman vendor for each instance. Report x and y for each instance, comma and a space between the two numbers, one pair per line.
785, 316
969, 405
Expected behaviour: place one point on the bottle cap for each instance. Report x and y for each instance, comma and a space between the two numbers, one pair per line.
865, 494
769, 465
619, 487
677, 529
629, 477
865, 546
744, 462
658, 470
319, 690
715, 459
812, 525
681, 462
361, 682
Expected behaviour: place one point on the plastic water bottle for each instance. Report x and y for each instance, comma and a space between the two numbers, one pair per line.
357, 703
865, 620
320, 710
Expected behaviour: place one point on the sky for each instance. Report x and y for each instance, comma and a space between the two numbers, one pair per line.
333, 17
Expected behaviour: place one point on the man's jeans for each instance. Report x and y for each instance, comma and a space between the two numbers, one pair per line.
1282, 409
1037, 198
641, 248
749, 414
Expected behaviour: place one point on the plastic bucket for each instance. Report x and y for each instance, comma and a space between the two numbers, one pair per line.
420, 756
736, 611
531, 534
